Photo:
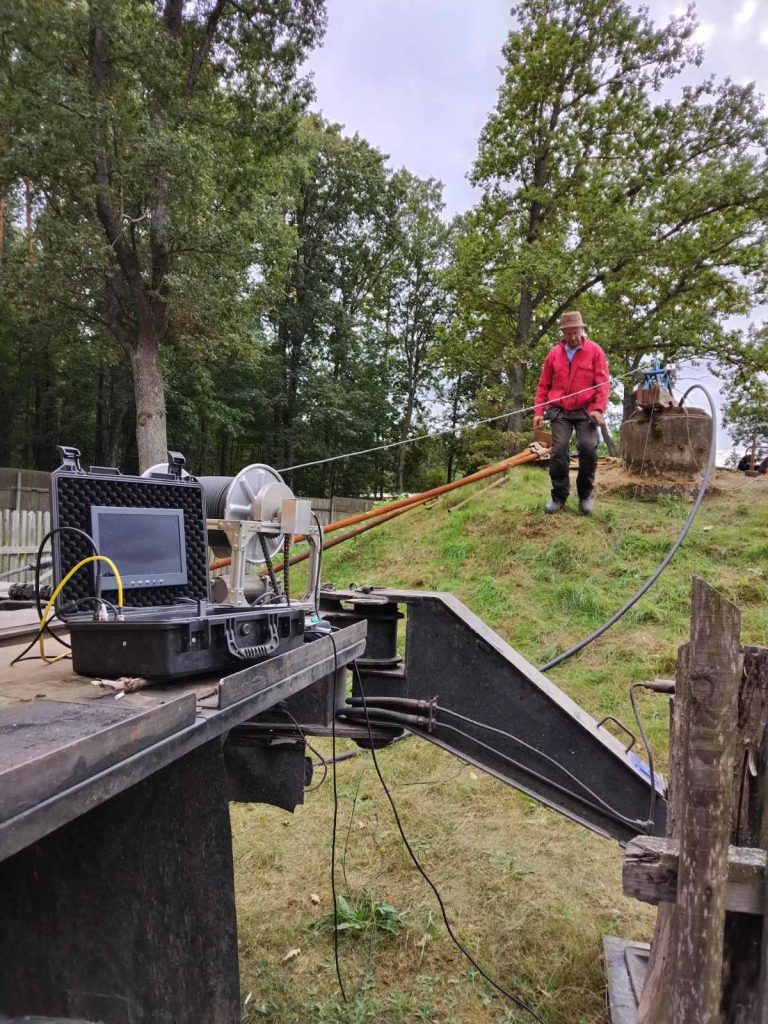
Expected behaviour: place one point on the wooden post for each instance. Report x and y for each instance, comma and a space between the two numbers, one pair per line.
684, 981
654, 1007
749, 827
714, 675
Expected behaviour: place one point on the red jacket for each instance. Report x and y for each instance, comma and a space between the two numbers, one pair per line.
587, 374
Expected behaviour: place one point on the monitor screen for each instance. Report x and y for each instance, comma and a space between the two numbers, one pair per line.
146, 544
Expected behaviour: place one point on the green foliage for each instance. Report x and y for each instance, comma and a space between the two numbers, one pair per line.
148, 136
187, 254
643, 213
362, 914
746, 412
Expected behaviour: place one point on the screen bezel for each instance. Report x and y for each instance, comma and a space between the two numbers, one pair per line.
133, 581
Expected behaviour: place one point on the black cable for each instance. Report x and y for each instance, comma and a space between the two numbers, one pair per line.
287, 568
270, 567
670, 554
20, 569
318, 574
347, 756
517, 1000
606, 810
349, 830
49, 536
335, 825
281, 707
604, 806
646, 744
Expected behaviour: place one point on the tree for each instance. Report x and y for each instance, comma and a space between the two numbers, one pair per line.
338, 209
413, 301
147, 128
647, 213
746, 411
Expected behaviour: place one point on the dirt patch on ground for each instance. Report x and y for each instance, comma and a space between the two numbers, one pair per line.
612, 475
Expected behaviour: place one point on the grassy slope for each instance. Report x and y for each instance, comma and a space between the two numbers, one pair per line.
530, 893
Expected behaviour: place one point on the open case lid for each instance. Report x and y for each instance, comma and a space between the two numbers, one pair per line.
157, 508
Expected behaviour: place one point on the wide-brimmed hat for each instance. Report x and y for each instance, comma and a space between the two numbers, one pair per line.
571, 320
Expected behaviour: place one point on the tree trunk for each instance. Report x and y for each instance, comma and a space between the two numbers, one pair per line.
2, 229
405, 427
28, 216
101, 440
629, 403
610, 444
151, 437
517, 368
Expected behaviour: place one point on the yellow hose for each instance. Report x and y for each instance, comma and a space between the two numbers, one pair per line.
58, 590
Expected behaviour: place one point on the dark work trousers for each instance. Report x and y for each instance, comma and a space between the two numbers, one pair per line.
563, 424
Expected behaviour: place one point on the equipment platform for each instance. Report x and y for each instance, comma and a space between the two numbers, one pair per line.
115, 849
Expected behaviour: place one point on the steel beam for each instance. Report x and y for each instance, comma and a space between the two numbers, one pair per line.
551, 749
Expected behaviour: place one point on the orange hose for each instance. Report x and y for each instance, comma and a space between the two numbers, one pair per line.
386, 512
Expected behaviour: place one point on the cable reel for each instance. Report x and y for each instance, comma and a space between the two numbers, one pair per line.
255, 494
249, 517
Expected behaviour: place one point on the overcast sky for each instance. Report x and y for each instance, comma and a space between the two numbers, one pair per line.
418, 78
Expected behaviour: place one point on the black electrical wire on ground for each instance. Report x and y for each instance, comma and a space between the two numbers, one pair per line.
517, 1000
710, 467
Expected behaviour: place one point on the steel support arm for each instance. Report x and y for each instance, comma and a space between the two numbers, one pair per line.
465, 689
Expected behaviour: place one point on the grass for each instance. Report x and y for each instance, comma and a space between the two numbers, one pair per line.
362, 914
529, 893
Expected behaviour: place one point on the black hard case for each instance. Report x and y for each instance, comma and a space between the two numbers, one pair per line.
160, 639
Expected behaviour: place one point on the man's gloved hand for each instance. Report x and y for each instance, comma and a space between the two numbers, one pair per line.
597, 417
537, 421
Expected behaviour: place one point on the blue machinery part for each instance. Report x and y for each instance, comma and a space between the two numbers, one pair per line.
657, 376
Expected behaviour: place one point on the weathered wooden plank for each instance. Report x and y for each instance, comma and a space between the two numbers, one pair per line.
714, 675
653, 1005
20, 534
651, 871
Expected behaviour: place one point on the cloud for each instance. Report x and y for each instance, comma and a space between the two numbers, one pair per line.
747, 12
703, 33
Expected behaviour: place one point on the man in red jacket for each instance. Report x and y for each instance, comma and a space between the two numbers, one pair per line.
573, 394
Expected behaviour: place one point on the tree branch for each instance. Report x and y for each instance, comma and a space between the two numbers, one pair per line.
201, 54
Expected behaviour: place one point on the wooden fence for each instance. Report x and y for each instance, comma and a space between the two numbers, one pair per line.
29, 490
328, 510
25, 490
20, 535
